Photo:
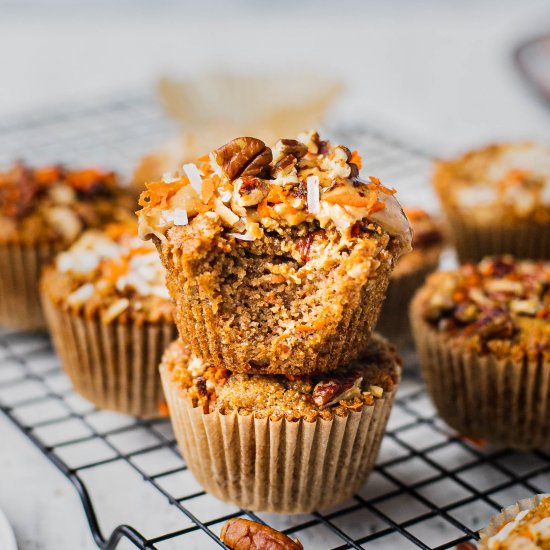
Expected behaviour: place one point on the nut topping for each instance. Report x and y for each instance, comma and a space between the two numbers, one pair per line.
292, 147
250, 191
243, 156
243, 534
331, 391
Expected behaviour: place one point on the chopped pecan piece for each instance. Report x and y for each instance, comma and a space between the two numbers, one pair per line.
496, 323
303, 244
243, 534
243, 156
293, 147
332, 390
251, 190
284, 166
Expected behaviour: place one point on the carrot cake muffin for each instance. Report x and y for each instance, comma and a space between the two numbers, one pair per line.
277, 259
42, 211
523, 526
409, 274
483, 336
281, 443
497, 200
110, 316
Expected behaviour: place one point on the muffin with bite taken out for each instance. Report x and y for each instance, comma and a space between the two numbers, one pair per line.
277, 259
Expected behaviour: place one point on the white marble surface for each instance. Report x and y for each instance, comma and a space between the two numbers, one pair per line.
439, 71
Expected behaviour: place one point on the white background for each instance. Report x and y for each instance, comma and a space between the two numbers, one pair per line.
439, 71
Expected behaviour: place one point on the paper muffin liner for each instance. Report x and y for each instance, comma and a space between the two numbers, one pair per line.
522, 238
200, 326
20, 269
508, 514
277, 466
393, 323
504, 402
115, 365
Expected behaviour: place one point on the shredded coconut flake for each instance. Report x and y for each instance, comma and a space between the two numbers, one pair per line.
192, 172
168, 177
313, 203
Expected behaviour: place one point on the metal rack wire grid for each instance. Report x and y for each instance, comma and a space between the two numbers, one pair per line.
430, 489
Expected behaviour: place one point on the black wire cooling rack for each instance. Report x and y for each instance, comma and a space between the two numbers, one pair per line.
430, 489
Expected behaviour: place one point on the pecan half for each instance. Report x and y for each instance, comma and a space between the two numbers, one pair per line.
243, 534
332, 390
243, 156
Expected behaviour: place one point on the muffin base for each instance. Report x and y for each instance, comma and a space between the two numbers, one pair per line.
508, 514
277, 466
502, 402
20, 269
522, 238
115, 366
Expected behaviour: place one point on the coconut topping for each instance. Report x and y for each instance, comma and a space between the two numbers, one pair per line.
113, 267
248, 185
499, 306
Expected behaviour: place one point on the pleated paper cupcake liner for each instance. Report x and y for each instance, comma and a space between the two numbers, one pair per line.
504, 402
394, 321
508, 514
523, 239
277, 466
200, 326
20, 269
115, 365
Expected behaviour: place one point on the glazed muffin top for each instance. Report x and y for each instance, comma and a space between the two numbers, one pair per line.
365, 380
53, 203
500, 306
529, 530
112, 274
509, 181
252, 188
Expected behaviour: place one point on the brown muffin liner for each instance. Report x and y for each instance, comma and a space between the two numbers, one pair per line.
508, 514
393, 322
277, 466
503, 402
115, 365
20, 269
200, 326
521, 238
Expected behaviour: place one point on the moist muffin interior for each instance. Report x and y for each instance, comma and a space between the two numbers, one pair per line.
371, 377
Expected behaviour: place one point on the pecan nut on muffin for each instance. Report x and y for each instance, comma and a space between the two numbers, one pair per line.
483, 337
409, 274
281, 443
523, 526
42, 211
277, 260
497, 201
110, 316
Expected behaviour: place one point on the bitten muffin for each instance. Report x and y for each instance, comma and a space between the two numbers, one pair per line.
483, 337
42, 211
523, 526
110, 317
277, 260
280, 443
497, 201
409, 274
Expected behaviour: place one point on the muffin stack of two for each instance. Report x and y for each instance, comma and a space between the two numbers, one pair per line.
277, 263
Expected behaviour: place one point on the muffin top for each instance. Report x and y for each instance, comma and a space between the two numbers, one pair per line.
252, 188
529, 530
427, 242
499, 182
292, 397
53, 203
113, 274
500, 306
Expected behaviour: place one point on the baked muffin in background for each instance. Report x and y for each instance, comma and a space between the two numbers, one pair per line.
110, 317
483, 337
497, 201
409, 274
277, 260
42, 211
281, 443
522, 526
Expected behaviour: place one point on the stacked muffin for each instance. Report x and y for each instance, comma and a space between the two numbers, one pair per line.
42, 211
277, 263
